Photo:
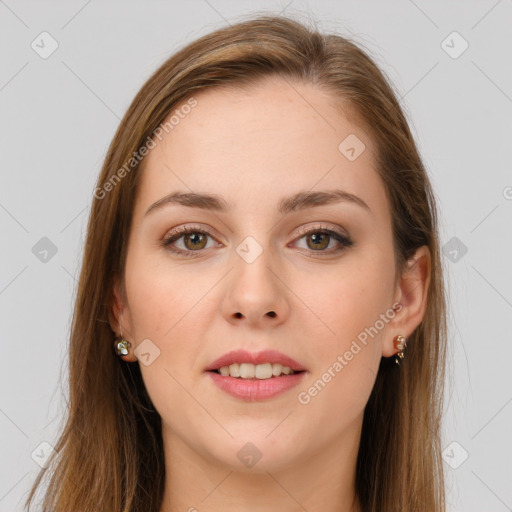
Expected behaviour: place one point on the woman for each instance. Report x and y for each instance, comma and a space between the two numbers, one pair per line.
263, 256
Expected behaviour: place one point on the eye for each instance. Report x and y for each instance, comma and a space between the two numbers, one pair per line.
319, 239
194, 240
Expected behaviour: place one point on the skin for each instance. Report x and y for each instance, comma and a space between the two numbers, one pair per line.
254, 148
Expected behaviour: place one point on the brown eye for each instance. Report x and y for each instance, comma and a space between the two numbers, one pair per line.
319, 240
194, 241
323, 241
187, 242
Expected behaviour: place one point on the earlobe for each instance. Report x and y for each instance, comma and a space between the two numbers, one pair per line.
411, 294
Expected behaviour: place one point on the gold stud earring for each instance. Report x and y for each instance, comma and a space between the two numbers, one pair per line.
400, 344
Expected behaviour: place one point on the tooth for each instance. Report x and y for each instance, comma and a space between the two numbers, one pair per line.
247, 370
234, 370
263, 371
259, 371
276, 369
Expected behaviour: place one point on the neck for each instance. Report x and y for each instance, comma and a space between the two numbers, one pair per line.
324, 481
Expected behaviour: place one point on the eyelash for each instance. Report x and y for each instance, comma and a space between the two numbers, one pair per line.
343, 239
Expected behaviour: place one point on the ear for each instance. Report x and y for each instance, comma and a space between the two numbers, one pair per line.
116, 306
119, 318
411, 294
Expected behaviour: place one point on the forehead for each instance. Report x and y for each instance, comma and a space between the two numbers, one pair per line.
252, 145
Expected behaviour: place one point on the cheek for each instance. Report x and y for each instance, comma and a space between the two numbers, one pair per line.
347, 356
346, 300
352, 309
160, 297
167, 306
332, 400
162, 308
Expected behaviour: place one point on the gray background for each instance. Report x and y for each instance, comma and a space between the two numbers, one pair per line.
58, 115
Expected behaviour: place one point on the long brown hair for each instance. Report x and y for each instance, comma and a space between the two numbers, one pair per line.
110, 453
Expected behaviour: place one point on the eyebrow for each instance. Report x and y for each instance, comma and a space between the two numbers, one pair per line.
299, 201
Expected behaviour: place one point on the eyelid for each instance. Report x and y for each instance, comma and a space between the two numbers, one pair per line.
323, 226
184, 229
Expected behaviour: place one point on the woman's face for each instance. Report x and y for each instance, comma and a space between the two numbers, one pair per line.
260, 272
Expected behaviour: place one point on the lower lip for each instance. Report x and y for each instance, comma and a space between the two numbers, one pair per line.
257, 389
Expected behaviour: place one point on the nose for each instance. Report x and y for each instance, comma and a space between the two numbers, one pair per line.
256, 292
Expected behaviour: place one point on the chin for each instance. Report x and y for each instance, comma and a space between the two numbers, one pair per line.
255, 453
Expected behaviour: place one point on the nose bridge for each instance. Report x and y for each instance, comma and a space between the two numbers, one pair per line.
255, 291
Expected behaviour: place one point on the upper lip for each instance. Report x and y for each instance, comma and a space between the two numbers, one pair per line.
265, 356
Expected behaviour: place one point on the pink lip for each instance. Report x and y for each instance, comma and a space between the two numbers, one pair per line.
265, 356
254, 389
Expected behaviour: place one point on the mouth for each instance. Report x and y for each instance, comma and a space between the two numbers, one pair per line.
255, 376
267, 364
